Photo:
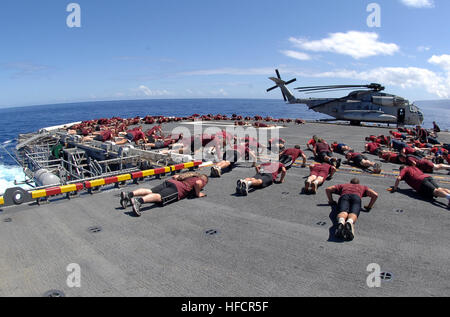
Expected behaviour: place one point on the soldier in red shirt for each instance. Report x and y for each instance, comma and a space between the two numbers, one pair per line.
318, 174
289, 156
231, 157
373, 148
363, 162
422, 183
349, 206
425, 165
266, 175
174, 189
323, 153
312, 143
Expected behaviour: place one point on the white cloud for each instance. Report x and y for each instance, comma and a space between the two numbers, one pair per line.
405, 77
419, 3
151, 93
353, 43
297, 55
442, 61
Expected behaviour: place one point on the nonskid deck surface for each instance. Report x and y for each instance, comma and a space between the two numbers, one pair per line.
275, 242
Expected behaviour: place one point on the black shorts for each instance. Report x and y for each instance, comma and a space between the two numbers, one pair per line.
321, 156
350, 203
286, 160
231, 156
428, 187
376, 152
166, 190
130, 136
358, 159
266, 179
98, 138
159, 144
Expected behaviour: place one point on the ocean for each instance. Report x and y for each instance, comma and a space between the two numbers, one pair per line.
14, 121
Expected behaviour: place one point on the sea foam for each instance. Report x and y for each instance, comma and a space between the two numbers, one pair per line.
8, 174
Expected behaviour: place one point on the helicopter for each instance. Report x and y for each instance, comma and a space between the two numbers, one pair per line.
368, 104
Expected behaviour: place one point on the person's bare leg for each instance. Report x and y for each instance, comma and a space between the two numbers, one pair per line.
438, 167
316, 183
223, 164
367, 163
142, 192
253, 182
152, 198
309, 181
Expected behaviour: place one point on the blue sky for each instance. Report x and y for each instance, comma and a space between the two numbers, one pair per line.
207, 48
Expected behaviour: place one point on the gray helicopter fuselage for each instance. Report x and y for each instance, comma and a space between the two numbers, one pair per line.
361, 106
364, 106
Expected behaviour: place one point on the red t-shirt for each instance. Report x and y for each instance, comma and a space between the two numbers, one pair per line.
372, 147
311, 142
271, 168
137, 134
352, 189
393, 157
322, 147
413, 177
353, 155
322, 170
424, 165
106, 135
184, 187
409, 150
293, 153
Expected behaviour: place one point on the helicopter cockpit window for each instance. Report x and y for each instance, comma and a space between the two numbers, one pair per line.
412, 109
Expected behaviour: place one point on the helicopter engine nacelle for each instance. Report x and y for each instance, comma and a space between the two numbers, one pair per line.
388, 101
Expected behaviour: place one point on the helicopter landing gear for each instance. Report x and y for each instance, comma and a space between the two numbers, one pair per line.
355, 123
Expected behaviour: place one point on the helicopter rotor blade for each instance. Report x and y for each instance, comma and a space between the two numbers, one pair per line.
331, 90
270, 89
291, 81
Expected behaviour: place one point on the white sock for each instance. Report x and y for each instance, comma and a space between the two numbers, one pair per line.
342, 221
448, 197
249, 183
350, 221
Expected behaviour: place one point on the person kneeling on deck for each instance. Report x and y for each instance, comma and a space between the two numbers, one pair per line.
362, 161
174, 189
319, 173
349, 206
267, 174
289, 156
422, 183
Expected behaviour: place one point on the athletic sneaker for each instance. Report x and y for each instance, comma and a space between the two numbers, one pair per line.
218, 171
136, 206
124, 200
244, 188
238, 187
338, 163
349, 232
213, 171
340, 231
377, 168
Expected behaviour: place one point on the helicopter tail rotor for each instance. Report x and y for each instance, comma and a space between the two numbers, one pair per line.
280, 83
